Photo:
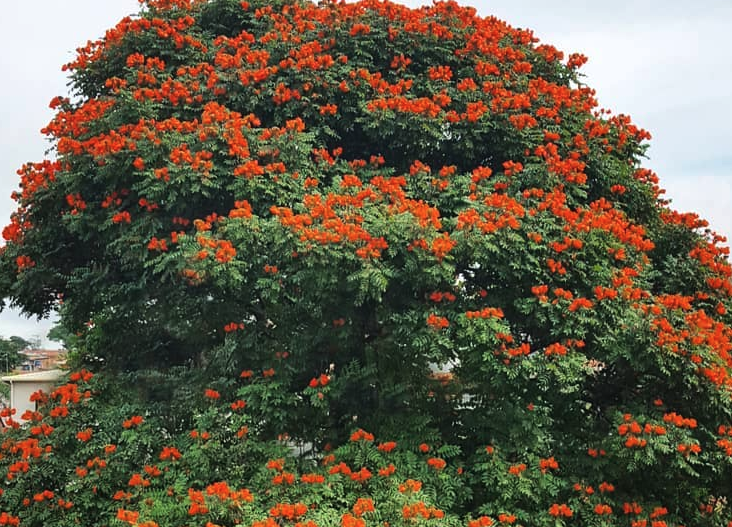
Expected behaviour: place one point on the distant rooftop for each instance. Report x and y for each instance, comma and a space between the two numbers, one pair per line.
37, 351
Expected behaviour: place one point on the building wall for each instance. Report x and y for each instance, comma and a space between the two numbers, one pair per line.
37, 360
20, 393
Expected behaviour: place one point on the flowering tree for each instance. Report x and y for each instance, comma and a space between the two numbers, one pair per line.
406, 237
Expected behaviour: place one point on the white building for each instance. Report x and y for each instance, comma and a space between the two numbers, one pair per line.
24, 385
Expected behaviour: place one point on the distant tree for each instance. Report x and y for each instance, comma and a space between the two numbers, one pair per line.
58, 333
353, 223
10, 349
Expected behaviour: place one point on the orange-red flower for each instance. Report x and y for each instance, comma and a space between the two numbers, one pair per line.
134, 421
84, 435
211, 394
560, 510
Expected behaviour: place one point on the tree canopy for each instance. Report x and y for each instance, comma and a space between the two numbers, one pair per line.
10, 349
415, 223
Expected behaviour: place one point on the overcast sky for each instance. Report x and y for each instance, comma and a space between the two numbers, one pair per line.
667, 63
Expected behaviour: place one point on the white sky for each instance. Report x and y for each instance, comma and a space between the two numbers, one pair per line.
667, 63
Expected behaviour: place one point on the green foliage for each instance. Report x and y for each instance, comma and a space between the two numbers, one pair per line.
118, 459
410, 222
10, 349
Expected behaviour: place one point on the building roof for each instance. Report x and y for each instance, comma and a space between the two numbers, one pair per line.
36, 376
42, 352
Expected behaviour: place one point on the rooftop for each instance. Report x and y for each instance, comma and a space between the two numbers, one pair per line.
36, 376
